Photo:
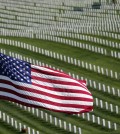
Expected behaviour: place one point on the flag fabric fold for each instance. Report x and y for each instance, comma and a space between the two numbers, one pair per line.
39, 86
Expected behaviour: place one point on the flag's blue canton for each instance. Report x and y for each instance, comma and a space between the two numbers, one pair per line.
15, 69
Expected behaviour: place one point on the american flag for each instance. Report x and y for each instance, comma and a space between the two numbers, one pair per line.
39, 86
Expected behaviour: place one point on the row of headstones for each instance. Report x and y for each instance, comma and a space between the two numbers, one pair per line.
95, 12
89, 31
17, 15
88, 15
103, 10
67, 14
13, 26
53, 18
17, 19
41, 18
98, 120
95, 18
56, 121
92, 48
63, 28
18, 26
31, 23
84, 37
27, 13
90, 83
111, 7
53, 4
36, 6
2, 15
16, 124
21, 24
99, 86
71, 16
12, 3
94, 39
47, 4
16, 34
67, 126
89, 26
104, 88
38, 3
67, 1
108, 25
86, 46
27, 24
64, 58
50, 22
115, 54
75, 30
31, 9
48, 15
78, 28
74, 43
34, 18
71, 42
106, 106
23, 21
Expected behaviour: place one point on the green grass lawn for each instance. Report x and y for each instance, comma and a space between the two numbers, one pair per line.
5, 129
74, 52
80, 54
